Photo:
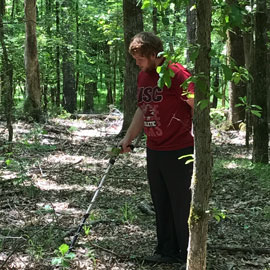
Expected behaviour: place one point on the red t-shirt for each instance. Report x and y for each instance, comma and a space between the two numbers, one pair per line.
167, 117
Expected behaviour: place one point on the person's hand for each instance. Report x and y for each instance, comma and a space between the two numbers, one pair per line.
125, 145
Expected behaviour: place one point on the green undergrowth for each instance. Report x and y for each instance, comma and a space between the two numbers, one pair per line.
243, 167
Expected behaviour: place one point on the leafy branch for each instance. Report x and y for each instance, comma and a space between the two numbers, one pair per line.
254, 109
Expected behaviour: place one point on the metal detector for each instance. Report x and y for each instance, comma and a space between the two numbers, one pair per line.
115, 151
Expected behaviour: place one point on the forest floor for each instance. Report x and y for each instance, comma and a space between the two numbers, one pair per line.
48, 178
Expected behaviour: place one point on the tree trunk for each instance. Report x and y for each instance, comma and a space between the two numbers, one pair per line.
249, 64
155, 20
191, 23
57, 94
108, 74
32, 105
90, 90
77, 51
236, 57
260, 138
268, 69
216, 88
201, 181
69, 90
133, 23
6, 77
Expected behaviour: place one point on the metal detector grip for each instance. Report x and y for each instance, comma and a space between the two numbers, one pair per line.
117, 153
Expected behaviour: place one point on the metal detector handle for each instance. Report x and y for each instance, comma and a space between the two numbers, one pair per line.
113, 159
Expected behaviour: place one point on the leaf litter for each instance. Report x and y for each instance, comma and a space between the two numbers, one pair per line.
49, 177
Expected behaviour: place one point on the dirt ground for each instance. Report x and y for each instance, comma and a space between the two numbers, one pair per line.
49, 175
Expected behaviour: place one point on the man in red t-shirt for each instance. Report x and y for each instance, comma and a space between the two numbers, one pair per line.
166, 117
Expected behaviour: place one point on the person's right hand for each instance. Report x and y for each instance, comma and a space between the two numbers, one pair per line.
125, 145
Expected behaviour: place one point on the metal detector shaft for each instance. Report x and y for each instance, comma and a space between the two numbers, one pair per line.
86, 215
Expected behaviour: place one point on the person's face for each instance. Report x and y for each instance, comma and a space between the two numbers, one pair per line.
145, 63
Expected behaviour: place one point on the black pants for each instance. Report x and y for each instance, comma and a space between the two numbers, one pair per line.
170, 180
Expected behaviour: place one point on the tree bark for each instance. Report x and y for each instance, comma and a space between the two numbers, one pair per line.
57, 62
133, 24
191, 23
69, 90
32, 105
155, 20
6, 78
90, 90
201, 181
268, 68
236, 57
108, 74
249, 64
260, 138
216, 87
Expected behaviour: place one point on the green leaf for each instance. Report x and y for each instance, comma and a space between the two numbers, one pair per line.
160, 82
171, 72
146, 4
239, 105
236, 77
71, 129
167, 79
165, 21
64, 249
65, 263
257, 113
257, 107
227, 72
203, 103
57, 261
159, 69
70, 256
236, 16
8, 161
218, 95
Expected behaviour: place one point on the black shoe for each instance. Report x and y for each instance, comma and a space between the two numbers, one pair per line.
158, 258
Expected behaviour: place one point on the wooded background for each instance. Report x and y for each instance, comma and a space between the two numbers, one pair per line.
69, 57
72, 55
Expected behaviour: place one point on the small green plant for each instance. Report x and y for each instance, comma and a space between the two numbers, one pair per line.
64, 257
64, 114
128, 215
165, 73
35, 250
91, 255
217, 117
217, 214
72, 129
87, 229
254, 109
35, 135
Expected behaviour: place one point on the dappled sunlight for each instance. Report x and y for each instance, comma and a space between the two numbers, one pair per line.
59, 208
20, 262
63, 158
51, 177
231, 165
8, 175
119, 191
44, 184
